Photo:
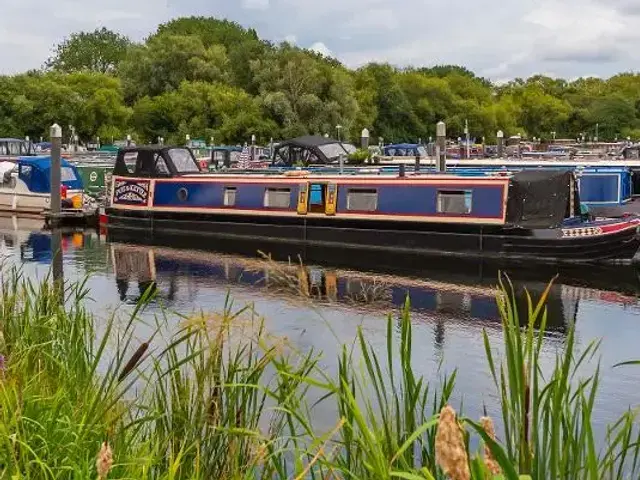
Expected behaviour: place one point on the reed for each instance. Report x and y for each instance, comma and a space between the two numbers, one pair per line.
221, 398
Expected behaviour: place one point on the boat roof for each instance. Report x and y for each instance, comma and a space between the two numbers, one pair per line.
43, 162
7, 139
326, 176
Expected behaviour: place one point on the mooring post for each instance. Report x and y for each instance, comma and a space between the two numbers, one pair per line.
253, 147
364, 139
441, 147
56, 144
56, 237
500, 136
128, 140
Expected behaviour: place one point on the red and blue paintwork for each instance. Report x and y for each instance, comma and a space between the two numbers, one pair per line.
410, 198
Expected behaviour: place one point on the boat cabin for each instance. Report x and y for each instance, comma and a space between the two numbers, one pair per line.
15, 147
155, 162
33, 175
168, 179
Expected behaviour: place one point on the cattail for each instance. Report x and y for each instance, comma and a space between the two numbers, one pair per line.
133, 361
214, 405
451, 454
489, 459
104, 461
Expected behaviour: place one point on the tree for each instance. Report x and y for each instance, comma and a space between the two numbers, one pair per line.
98, 51
166, 61
242, 45
201, 109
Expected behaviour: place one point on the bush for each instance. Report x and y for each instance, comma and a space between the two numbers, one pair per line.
359, 157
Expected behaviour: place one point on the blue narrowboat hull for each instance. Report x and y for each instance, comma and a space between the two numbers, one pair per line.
527, 217
421, 241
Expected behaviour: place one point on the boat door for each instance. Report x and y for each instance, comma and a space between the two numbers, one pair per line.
317, 197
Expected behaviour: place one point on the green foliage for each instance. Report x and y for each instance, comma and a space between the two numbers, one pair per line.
99, 51
360, 156
292, 92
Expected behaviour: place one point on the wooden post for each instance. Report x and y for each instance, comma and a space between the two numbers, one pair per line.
500, 136
56, 237
56, 145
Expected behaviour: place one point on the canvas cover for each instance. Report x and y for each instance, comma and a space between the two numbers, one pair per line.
540, 198
310, 149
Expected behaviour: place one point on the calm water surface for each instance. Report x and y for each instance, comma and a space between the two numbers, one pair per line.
322, 308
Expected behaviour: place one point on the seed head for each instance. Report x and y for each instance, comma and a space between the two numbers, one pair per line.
104, 461
489, 459
451, 454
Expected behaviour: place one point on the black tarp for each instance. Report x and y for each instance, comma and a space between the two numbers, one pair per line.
541, 198
308, 149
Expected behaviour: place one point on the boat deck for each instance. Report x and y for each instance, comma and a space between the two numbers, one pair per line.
617, 211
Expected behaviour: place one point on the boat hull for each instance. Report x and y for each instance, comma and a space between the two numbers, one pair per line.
497, 244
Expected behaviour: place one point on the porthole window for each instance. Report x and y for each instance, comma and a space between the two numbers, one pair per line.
183, 194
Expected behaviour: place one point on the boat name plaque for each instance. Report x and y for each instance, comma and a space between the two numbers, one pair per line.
131, 192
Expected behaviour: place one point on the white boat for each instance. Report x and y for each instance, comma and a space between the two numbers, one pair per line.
25, 187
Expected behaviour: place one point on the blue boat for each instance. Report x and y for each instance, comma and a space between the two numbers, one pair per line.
25, 187
523, 217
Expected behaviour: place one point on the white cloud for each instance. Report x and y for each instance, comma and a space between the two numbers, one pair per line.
255, 4
321, 48
292, 39
494, 38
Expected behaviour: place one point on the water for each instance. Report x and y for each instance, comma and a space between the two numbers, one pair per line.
322, 308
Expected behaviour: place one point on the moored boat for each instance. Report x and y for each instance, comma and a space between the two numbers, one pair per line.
13, 148
525, 217
25, 188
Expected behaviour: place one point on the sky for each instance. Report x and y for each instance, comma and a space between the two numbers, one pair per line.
497, 39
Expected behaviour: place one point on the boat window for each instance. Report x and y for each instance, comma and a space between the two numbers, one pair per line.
316, 194
14, 148
277, 197
229, 196
130, 160
67, 174
362, 200
161, 166
183, 161
454, 201
3, 149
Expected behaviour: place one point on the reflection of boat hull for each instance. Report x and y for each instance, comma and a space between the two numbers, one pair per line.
153, 266
463, 271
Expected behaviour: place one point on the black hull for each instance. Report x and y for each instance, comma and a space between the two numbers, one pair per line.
418, 241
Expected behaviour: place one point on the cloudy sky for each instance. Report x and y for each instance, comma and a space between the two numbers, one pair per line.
499, 39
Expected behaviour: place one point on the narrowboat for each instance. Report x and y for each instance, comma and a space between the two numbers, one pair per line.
25, 187
526, 217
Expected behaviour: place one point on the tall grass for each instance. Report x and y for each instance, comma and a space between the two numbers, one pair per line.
222, 399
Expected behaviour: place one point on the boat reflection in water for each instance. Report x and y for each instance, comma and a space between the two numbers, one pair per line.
166, 271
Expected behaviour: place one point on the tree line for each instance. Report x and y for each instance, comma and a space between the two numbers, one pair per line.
213, 78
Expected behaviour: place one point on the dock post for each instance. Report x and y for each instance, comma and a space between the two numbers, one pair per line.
500, 136
253, 147
441, 147
364, 139
56, 244
56, 144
